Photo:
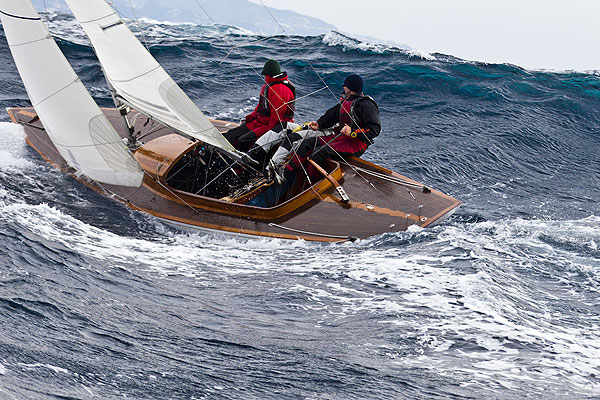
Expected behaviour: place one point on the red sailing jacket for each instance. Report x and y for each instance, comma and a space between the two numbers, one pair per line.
276, 106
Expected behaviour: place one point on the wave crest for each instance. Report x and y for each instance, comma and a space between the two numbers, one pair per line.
348, 43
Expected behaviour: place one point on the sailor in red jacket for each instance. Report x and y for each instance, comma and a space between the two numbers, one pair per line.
276, 105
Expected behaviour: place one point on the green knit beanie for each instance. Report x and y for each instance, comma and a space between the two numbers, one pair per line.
271, 68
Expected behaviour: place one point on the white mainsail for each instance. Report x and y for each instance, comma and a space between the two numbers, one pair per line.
136, 76
79, 130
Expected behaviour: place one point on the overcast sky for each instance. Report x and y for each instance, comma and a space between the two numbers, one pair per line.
548, 34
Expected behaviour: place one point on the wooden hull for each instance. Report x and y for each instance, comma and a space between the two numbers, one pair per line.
380, 200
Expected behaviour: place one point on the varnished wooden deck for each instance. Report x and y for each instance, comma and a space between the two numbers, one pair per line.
313, 215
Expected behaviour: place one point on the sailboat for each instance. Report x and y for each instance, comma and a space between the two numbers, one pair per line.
182, 170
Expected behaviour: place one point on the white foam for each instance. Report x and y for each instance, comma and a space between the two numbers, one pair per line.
66, 27
487, 304
47, 366
211, 28
166, 32
235, 113
12, 154
487, 314
421, 54
334, 39
462, 283
185, 254
151, 21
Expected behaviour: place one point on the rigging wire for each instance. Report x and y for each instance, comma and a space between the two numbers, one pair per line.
160, 183
44, 17
200, 5
147, 48
245, 44
53, 148
305, 58
139, 25
283, 105
257, 73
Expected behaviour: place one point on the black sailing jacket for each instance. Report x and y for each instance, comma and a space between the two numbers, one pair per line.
365, 115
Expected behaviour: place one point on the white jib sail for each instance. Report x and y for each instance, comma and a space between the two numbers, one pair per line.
79, 130
137, 77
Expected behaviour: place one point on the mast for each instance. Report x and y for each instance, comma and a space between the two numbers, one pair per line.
124, 109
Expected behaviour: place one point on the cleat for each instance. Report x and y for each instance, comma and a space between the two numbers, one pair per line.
247, 160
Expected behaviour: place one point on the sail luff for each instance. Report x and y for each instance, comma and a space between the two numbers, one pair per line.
138, 78
76, 126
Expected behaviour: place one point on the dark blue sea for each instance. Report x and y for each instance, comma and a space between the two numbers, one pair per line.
502, 301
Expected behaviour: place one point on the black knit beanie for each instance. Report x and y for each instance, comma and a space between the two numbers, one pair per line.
354, 83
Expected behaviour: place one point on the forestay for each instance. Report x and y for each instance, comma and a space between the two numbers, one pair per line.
136, 76
79, 130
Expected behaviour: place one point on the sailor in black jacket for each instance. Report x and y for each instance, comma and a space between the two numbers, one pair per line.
346, 129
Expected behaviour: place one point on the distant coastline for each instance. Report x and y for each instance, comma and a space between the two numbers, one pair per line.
241, 13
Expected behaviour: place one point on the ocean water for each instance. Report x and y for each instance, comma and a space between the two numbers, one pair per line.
500, 302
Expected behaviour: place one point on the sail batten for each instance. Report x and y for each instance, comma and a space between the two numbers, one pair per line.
31, 41
137, 78
55, 93
96, 19
79, 130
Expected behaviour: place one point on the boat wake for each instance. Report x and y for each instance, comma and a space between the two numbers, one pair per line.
488, 303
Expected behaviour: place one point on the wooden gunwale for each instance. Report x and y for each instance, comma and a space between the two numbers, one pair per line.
240, 231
